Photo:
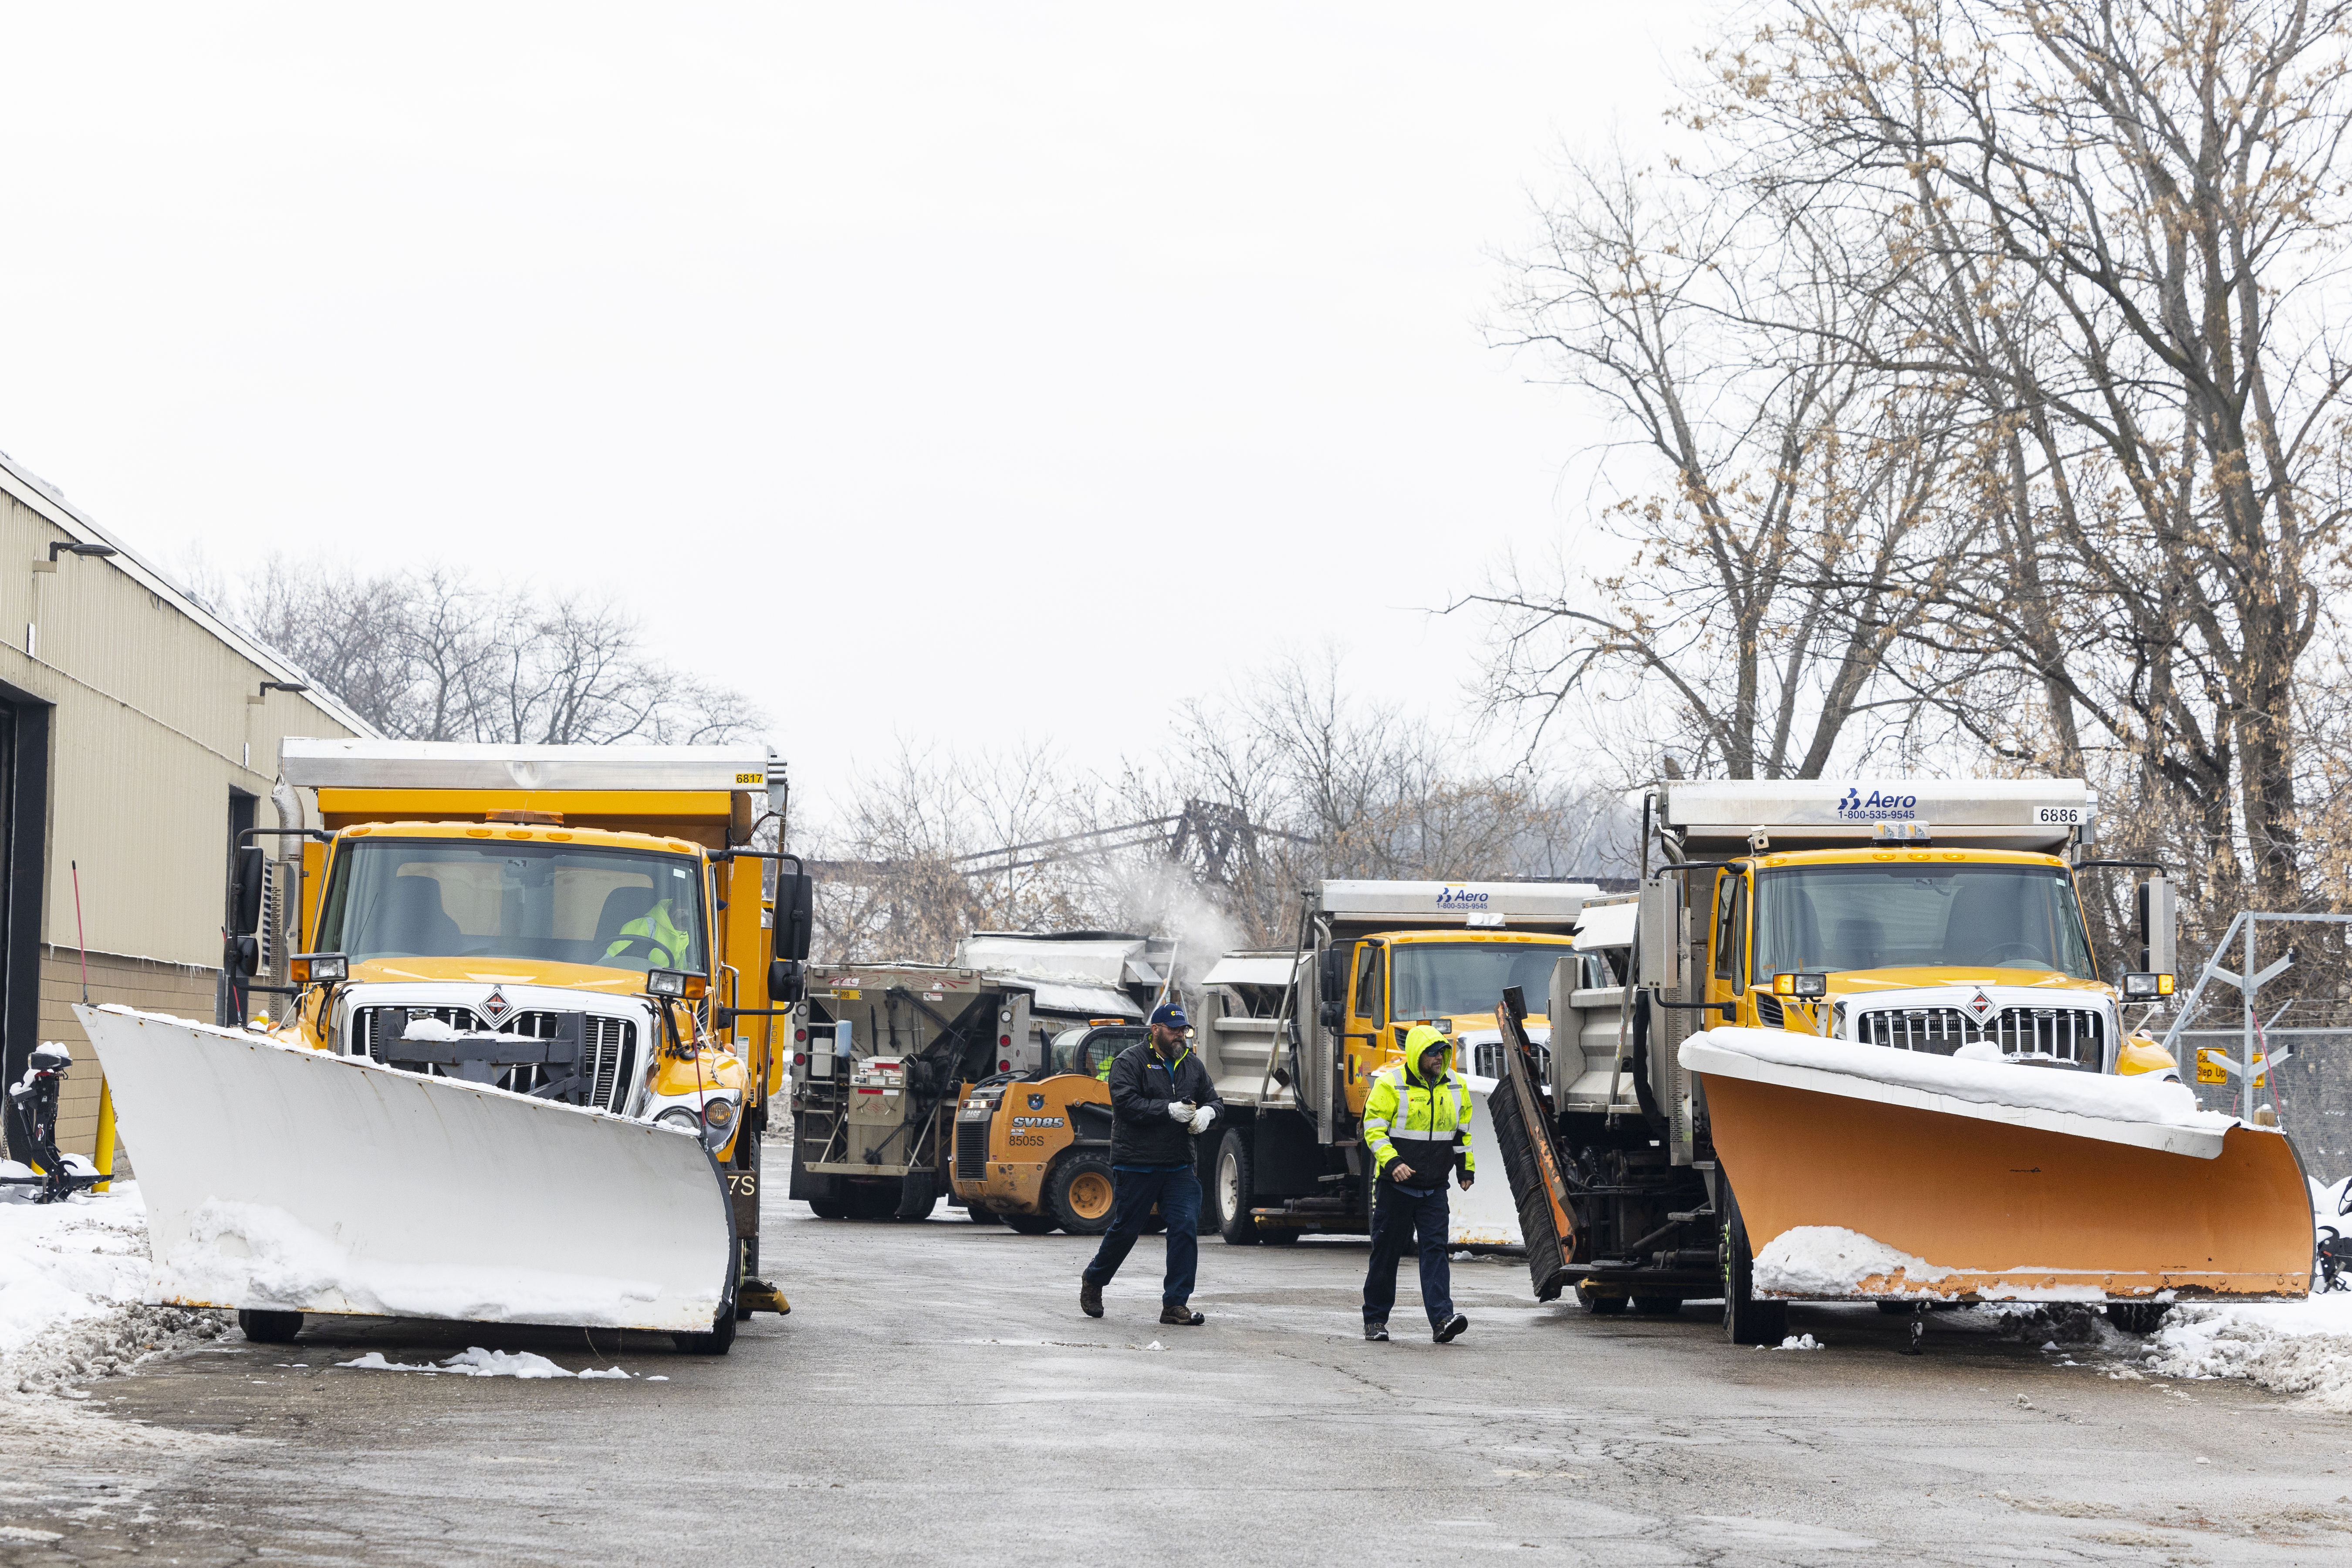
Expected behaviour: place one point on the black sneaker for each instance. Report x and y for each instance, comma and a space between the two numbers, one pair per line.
1183, 1316
1445, 1332
1377, 1332
1089, 1298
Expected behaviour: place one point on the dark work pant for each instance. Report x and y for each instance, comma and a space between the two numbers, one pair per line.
1396, 1215
1178, 1194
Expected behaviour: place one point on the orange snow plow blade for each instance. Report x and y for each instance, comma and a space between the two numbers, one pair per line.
1855, 1186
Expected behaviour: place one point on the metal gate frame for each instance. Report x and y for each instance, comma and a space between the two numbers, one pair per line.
2248, 983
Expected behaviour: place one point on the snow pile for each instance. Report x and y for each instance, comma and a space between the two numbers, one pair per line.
1830, 1260
72, 1277
1798, 1343
2287, 1347
479, 1362
2141, 1099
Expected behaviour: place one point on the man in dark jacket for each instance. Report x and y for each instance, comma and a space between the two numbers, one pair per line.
1161, 1099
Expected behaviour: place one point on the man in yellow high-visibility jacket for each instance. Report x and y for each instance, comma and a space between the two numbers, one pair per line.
1417, 1125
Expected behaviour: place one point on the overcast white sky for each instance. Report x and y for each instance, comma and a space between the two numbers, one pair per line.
948, 372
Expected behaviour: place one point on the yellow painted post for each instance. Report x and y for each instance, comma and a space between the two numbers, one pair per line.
102, 1155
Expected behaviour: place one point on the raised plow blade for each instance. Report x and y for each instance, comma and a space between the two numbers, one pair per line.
284, 1179
1520, 1114
1864, 1172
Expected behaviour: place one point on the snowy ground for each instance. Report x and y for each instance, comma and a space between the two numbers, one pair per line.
71, 1279
71, 1276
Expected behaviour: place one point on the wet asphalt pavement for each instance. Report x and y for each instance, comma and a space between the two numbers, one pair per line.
935, 1396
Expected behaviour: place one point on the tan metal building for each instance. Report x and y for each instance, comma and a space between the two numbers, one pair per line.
138, 734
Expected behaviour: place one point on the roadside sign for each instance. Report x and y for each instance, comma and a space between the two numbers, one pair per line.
2212, 1067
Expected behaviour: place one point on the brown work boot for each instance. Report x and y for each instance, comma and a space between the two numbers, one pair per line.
1089, 1298
1184, 1316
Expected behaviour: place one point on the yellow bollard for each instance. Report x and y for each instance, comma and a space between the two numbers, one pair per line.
102, 1154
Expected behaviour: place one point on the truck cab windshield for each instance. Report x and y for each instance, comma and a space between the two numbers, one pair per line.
1913, 914
1440, 979
438, 898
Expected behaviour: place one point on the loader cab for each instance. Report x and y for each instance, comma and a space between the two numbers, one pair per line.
1086, 1050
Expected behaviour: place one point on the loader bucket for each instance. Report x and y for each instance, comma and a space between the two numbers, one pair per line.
285, 1179
1856, 1185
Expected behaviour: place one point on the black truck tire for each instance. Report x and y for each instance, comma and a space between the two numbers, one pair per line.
917, 1196
1233, 1192
1748, 1319
1079, 1193
269, 1328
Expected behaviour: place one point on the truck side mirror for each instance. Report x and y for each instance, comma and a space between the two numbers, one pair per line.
795, 915
1330, 1016
1331, 975
244, 891
787, 981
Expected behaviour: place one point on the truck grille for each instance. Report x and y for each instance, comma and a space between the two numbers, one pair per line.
2067, 1036
609, 1047
972, 1148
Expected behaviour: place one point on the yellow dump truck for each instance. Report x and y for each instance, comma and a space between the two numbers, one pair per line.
521, 1058
1860, 1048
1292, 1037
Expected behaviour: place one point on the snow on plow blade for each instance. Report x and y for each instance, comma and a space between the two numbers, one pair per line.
1864, 1172
283, 1178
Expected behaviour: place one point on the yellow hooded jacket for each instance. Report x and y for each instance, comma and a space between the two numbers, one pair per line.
1424, 1121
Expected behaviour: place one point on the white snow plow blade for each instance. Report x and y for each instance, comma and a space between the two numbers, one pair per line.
285, 1179
1486, 1215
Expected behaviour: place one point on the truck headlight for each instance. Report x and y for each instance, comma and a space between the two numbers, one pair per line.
718, 1113
681, 1117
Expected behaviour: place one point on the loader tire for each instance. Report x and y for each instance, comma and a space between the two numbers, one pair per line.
269, 1328
1234, 1193
1030, 1224
1747, 1319
2137, 1317
1080, 1195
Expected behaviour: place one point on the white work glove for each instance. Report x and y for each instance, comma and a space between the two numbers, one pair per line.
1201, 1118
1180, 1110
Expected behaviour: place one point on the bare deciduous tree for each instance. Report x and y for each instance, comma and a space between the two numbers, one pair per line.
430, 655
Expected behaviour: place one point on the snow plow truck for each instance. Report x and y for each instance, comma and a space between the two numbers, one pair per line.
1293, 1037
1863, 1051
519, 1066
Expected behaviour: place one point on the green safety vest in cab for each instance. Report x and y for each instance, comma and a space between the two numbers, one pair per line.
668, 940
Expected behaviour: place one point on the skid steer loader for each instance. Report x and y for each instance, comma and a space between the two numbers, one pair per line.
520, 1066
1863, 1051
1033, 1149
